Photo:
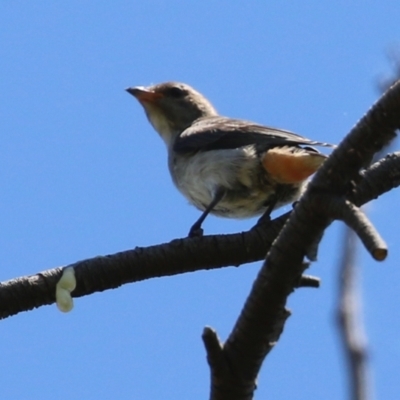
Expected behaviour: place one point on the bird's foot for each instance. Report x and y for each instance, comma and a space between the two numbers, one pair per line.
265, 219
196, 231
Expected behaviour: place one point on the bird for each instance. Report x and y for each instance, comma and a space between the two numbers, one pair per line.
227, 167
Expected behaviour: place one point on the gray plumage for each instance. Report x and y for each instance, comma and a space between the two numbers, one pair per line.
214, 159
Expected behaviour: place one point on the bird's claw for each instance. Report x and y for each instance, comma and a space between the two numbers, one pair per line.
265, 219
196, 231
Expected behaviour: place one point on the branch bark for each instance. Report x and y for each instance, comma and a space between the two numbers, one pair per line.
349, 322
179, 256
262, 318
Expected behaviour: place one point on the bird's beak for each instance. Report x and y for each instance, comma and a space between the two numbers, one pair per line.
144, 94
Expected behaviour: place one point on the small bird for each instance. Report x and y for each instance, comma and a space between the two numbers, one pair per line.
227, 167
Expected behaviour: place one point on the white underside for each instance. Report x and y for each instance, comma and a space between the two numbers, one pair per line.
199, 176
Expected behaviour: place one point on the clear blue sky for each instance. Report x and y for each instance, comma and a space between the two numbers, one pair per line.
82, 174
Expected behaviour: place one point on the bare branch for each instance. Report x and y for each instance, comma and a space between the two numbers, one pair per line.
381, 177
178, 256
349, 321
309, 281
358, 221
109, 272
224, 382
263, 316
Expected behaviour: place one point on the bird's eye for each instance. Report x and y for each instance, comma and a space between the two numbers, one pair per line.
175, 92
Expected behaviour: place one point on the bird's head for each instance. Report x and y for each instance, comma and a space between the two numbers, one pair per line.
171, 107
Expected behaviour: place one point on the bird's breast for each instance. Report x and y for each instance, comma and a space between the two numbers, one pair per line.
237, 171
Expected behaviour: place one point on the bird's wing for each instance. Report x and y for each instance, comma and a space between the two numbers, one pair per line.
214, 133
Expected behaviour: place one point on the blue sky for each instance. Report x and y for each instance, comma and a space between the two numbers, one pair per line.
83, 174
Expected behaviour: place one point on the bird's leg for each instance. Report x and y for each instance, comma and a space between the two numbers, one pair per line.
266, 217
196, 229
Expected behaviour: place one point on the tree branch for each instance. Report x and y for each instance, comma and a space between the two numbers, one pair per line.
347, 212
350, 329
179, 256
262, 318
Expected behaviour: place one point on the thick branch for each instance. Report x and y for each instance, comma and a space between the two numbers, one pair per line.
179, 256
263, 316
109, 272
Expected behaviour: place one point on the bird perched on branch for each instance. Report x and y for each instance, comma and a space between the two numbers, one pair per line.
227, 167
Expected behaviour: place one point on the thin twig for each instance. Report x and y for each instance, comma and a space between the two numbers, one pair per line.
347, 212
350, 327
